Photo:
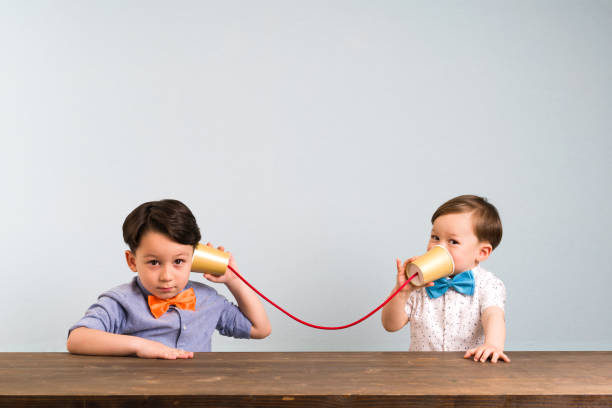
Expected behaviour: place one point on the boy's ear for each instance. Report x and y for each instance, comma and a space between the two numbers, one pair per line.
131, 260
484, 251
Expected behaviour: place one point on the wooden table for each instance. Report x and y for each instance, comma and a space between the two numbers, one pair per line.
364, 379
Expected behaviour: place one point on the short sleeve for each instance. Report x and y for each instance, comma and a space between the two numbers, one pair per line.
106, 315
493, 293
410, 303
232, 322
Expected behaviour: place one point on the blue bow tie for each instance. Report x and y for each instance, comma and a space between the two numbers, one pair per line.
462, 283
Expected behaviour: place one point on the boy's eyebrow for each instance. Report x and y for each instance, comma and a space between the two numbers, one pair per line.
155, 256
451, 234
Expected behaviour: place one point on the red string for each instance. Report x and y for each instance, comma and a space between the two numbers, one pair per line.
297, 319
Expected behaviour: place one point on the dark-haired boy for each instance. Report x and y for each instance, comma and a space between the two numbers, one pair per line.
466, 311
161, 313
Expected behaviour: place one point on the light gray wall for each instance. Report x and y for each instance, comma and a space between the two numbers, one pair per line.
313, 139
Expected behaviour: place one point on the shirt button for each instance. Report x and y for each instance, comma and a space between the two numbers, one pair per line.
184, 327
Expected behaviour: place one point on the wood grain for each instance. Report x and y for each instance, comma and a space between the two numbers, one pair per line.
338, 379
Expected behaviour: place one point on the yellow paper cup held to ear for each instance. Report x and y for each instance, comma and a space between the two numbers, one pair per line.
435, 264
209, 260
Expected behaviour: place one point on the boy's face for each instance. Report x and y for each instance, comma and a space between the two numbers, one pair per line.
163, 265
455, 232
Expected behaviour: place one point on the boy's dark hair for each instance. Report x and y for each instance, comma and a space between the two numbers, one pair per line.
169, 217
487, 224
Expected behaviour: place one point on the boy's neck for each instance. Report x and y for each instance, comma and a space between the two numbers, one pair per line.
469, 269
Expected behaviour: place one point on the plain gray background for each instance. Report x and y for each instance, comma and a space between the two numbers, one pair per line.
314, 139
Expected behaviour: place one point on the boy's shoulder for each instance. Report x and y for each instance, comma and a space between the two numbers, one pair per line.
201, 288
206, 294
124, 291
484, 277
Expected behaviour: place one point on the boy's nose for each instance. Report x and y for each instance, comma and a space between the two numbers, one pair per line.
165, 274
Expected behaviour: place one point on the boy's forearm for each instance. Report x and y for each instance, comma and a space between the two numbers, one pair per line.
84, 340
494, 326
253, 309
393, 315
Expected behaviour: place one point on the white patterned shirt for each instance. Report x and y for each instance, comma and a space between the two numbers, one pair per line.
452, 322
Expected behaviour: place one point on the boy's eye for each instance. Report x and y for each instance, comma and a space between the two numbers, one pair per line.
453, 242
179, 261
154, 262
435, 237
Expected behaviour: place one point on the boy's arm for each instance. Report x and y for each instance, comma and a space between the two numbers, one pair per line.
494, 326
394, 315
247, 300
251, 307
84, 340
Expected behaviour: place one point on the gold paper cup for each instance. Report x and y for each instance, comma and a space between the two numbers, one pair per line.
209, 260
435, 264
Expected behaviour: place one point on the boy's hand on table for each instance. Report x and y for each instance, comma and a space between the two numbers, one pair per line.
483, 352
154, 349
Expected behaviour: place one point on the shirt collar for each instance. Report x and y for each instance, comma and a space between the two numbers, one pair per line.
474, 269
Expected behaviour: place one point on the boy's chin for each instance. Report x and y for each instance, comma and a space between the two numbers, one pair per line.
166, 295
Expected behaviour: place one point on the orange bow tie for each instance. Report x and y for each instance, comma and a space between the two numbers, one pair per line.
185, 300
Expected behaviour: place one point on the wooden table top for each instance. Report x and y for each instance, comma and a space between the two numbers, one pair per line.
387, 378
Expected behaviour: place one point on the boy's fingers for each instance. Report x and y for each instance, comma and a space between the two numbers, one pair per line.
504, 357
469, 353
485, 355
212, 278
182, 354
494, 357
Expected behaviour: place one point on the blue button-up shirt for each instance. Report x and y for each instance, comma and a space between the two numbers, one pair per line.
124, 310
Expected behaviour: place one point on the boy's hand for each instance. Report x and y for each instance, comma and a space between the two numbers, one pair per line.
154, 349
401, 275
483, 352
228, 276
